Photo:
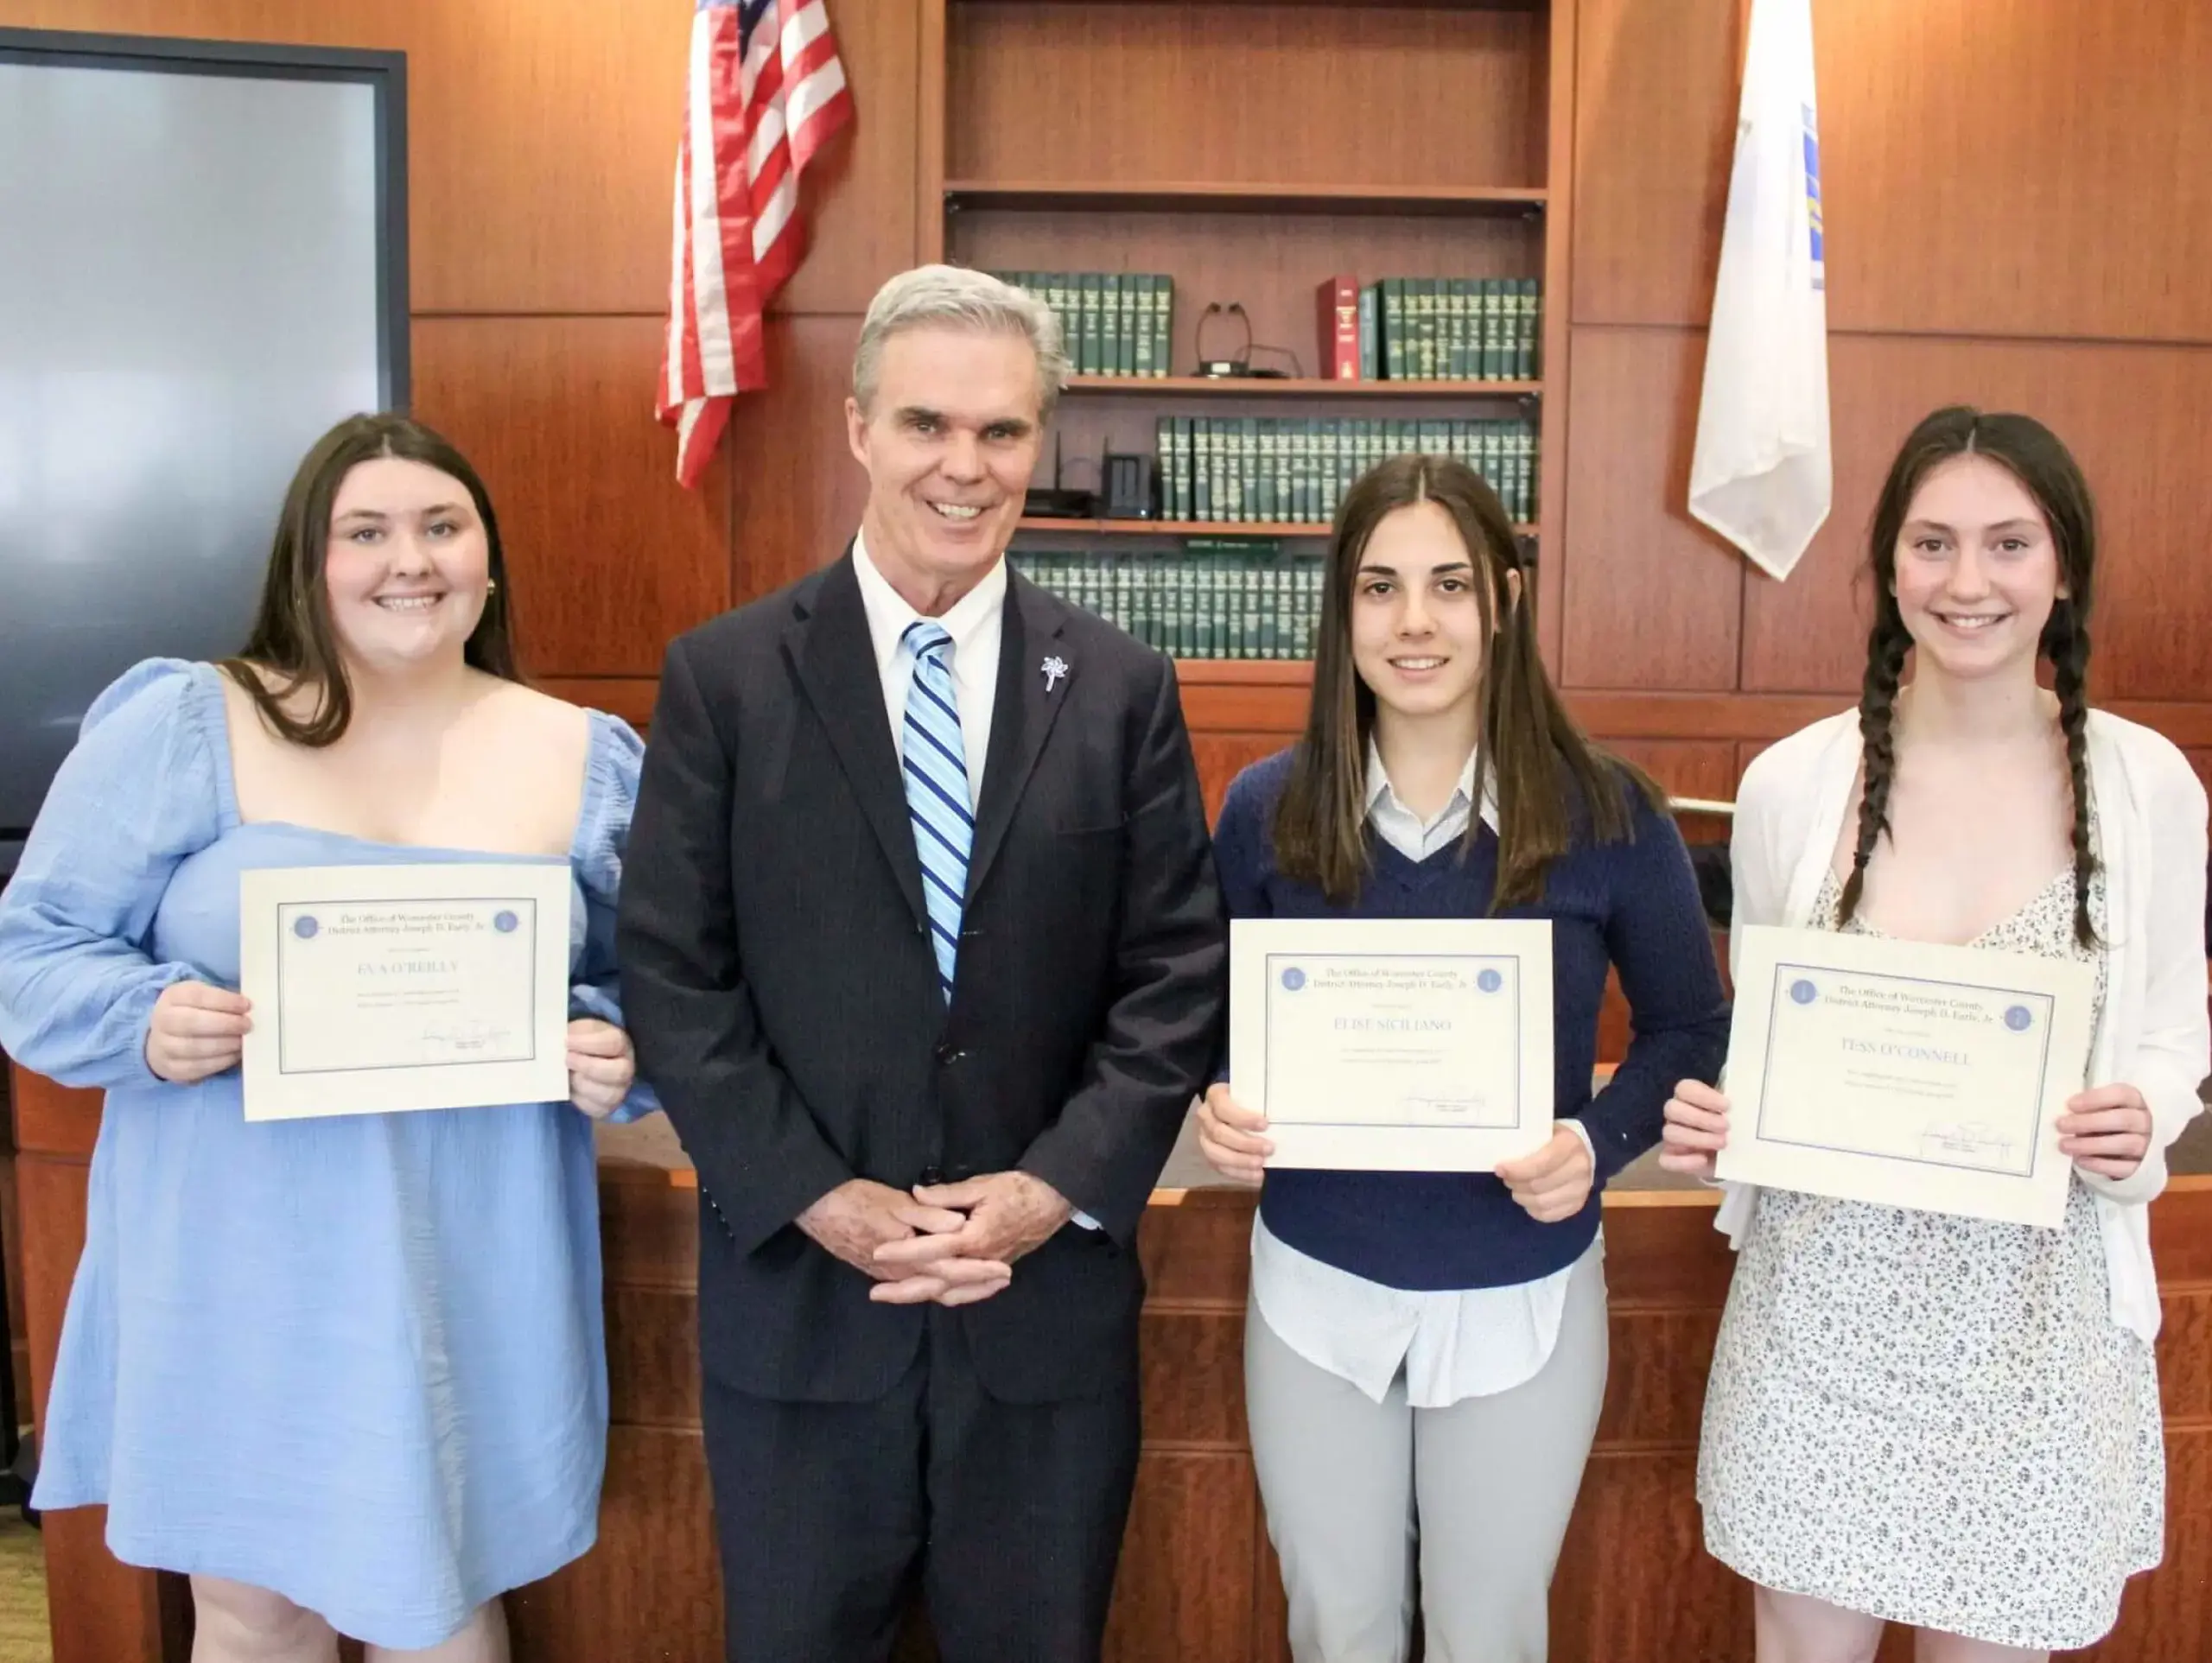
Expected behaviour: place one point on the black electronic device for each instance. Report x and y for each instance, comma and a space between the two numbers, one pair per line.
1132, 487
1058, 502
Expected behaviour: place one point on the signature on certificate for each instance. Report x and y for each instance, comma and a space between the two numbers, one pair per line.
1970, 1141
465, 1037
1442, 1106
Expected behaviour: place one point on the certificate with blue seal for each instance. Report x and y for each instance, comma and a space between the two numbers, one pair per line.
1420, 1045
1910, 1075
383, 989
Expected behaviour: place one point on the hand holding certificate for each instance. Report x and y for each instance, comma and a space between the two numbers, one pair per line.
1905, 1073
379, 989
1403, 1045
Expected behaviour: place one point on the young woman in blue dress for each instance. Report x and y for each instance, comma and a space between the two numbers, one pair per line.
346, 1374
1425, 1353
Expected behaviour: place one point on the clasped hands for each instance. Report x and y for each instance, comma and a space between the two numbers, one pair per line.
947, 1244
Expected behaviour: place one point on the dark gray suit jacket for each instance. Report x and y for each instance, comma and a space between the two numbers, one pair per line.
778, 981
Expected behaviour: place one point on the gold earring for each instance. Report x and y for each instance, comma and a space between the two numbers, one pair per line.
491, 587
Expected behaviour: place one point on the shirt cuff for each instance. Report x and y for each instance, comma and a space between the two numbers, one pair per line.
1083, 1220
1583, 1132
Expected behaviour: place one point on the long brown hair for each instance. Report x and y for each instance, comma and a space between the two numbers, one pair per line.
2032, 453
293, 637
1540, 758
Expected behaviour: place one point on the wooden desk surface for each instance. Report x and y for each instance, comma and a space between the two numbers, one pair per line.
1198, 1577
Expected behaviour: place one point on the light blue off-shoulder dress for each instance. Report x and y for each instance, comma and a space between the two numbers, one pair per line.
355, 1361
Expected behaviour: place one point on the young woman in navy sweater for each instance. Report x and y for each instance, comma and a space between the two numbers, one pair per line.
1425, 1353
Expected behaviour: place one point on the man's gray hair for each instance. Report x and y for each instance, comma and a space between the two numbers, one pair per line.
956, 297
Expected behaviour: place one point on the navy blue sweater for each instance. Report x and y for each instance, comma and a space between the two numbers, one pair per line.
1633, 905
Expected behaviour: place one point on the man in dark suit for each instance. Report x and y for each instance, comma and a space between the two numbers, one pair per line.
921, 945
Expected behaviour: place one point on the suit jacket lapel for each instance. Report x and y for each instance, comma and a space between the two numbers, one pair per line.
835, 658
1036, 670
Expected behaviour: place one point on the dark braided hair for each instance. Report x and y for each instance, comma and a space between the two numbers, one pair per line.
2033, 454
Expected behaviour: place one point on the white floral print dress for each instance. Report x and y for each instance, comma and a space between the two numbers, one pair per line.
1935, 1419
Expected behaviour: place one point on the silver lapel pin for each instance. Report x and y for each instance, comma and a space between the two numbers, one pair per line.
1054, 668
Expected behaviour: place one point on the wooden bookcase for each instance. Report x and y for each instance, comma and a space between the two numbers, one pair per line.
1251, 151
1252, 148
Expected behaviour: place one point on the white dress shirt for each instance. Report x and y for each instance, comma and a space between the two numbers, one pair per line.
975, 622
1453, 1343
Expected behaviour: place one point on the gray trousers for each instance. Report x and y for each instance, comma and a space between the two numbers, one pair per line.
1481, 1491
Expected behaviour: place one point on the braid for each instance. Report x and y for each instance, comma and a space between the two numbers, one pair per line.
1887, 647
2067, 638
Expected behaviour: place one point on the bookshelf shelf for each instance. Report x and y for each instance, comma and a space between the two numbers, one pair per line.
1179, 528
1204, 197
1244, 672
1195, 527
1401, 5
1248, 387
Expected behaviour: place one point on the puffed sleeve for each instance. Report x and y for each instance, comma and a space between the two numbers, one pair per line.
611, 794
139, 793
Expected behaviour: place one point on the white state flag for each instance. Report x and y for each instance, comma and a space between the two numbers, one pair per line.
1760, 476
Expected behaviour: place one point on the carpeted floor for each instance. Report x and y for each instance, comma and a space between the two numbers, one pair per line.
22, 1593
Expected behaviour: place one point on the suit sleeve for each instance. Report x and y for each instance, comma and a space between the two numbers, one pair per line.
1158, 1039
761, 1156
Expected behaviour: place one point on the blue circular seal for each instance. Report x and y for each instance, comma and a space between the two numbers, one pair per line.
304, 926
1293, 979
2018, 1018
505, 923
1803, 991
1489, 981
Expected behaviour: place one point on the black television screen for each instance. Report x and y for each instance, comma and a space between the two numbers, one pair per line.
203, 267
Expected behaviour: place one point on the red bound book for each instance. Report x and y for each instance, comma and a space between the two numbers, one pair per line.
1339, 304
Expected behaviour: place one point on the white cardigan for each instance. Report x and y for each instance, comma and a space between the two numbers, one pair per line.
2154, 1035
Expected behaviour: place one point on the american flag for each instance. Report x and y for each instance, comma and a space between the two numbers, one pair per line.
765, 92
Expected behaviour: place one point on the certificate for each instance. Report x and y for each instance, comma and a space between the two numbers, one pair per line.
1419, 1045
1910, 1075
379, 989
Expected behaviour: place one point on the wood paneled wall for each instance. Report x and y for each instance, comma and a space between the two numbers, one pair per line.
2015, 195
2016, 200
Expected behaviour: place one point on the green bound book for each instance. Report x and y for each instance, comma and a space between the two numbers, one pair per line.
1109, 332
1082, 339
1201, 467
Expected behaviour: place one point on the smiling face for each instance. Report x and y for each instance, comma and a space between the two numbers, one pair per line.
1418, 638
1977, 570
407, 565
949, 441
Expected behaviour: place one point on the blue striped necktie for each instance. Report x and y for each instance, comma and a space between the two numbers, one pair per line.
934, 761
